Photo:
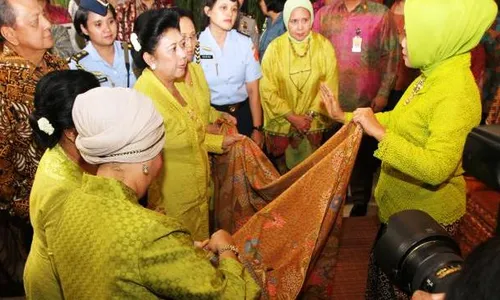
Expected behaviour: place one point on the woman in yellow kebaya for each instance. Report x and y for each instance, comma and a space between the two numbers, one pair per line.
293, 67
60, 172
182, 189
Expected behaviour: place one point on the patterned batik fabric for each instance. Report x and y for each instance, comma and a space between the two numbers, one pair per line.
494, 114
371, 72
128, 11
286, 227
19, 155
491, 42
288, 151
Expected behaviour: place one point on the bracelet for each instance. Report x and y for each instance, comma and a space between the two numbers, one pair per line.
258, 128
231, 248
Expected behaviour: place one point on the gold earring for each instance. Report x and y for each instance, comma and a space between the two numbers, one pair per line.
145, 170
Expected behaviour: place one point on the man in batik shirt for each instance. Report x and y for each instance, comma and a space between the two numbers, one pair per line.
26, 38
365, 39
128, 11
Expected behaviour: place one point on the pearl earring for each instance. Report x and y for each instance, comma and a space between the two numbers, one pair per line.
145, 170
153, 67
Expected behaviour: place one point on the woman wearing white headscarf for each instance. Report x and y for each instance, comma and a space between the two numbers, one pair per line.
107, 246
293, 67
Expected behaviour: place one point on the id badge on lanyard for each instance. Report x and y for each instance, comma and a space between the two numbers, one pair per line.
357, 41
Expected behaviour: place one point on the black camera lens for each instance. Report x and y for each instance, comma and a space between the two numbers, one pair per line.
417, 253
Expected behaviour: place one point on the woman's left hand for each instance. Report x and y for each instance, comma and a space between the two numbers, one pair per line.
258, 138
366, 118
201, 244
229, 118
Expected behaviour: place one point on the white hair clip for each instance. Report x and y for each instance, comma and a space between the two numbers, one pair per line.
45, 126
135, 42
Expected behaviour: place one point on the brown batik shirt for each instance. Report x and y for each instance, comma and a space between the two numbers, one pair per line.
19, 155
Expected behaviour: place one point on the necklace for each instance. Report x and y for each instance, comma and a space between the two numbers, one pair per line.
416, 89
295, 51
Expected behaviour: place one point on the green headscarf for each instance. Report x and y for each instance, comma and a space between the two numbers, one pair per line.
439, 29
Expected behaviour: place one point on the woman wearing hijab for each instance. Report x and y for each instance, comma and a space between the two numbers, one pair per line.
106, 245
420, 142
58, 174
293, 68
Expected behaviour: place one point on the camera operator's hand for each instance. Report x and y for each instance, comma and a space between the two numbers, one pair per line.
421, 295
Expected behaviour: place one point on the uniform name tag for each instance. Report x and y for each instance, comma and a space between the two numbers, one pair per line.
356, 44
206, 56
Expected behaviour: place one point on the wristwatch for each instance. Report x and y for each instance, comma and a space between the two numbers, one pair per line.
258, 128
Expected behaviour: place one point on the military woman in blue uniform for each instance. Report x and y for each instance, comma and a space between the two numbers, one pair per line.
108, 59
231, 65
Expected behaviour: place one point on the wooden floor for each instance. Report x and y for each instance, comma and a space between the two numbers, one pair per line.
356, 242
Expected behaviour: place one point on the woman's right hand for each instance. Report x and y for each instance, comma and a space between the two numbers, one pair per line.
331, 104
220, 239
229, 140
301, 123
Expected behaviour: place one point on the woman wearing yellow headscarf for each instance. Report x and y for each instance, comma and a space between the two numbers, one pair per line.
293, 67
421, 140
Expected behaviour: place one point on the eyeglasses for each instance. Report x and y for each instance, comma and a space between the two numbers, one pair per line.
191, 39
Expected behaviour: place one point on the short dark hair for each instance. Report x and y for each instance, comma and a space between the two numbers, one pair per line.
480, 274
275, 5
81, 18
7, 16
210, 4
184, 13
55, 94
149, 27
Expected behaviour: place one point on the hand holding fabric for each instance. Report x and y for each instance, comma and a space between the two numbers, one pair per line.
201, 244
229, 118
220, 239
258, 138
366, 118
229, 140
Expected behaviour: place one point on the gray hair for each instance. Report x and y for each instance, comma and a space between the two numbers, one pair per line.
7, 15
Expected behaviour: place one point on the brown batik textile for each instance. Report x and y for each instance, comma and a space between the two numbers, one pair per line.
287, 228
494, 113
128, 11
19, 155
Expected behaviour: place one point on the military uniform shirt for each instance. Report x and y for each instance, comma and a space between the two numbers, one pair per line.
228, 69
109, 75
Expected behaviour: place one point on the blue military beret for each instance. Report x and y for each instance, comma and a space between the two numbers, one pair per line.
99, 7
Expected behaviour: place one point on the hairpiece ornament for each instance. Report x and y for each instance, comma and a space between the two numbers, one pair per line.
135, 42
45, 126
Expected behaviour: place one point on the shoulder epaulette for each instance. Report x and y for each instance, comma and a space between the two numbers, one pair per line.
246, 25
78, 56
